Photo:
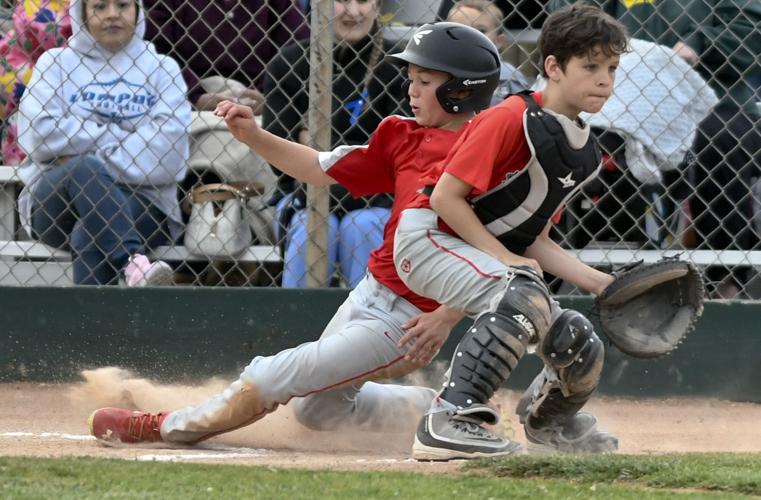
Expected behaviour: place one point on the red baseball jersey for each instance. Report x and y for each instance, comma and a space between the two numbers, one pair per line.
400, 152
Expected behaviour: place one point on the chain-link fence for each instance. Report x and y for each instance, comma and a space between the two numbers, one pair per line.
116, 170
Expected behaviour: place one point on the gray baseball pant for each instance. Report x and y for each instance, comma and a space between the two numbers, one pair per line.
332, 376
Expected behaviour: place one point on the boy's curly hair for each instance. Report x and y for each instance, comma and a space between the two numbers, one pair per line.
578, 30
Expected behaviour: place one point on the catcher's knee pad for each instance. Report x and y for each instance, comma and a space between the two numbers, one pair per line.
492, 347
526, 300
574, 351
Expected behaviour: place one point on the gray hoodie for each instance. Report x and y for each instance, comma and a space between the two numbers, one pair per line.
128, 109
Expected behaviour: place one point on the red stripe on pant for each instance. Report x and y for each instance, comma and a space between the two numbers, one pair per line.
455, 254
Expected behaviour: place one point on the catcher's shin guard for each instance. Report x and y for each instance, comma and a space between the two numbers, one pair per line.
492, 347
549, 409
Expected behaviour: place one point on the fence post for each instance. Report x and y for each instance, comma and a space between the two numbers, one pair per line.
319, 127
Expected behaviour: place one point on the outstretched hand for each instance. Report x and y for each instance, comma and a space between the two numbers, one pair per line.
249, 97
239, 118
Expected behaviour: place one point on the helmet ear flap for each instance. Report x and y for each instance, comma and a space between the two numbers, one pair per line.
442, 95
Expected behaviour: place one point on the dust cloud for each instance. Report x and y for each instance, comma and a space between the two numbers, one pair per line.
113, 386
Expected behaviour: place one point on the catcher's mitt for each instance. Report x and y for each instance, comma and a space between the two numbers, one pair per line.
649, 308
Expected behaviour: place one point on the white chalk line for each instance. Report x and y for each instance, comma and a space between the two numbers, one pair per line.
197, 456
49, 435
387, 460
216, 451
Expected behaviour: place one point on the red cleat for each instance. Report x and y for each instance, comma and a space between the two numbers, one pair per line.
126, 426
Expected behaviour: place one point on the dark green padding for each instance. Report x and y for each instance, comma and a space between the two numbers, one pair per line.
50, 334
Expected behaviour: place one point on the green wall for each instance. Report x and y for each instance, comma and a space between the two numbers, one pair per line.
50, 334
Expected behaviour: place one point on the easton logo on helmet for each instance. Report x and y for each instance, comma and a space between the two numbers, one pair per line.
473, 82
419, 35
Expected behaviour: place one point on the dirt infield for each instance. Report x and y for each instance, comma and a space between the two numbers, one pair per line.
50, 420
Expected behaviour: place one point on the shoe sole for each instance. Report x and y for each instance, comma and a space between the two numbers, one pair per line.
424, 452
163, 276
101, 440
90, 423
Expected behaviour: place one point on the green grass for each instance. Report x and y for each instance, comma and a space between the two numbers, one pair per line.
616, 476
740, 474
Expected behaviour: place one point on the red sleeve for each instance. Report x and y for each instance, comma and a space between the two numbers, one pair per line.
480, 156
368, 170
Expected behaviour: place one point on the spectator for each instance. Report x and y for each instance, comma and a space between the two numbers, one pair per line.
104, 122
720, 39
365, 90
38, 25
486, 17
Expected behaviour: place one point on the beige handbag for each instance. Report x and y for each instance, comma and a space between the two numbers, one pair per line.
218, 224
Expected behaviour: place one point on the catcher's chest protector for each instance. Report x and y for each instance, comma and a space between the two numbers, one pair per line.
563, 157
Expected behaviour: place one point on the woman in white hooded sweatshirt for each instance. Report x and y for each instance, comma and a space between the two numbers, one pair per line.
104, 122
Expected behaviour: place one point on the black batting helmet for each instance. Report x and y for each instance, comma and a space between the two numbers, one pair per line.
465, 53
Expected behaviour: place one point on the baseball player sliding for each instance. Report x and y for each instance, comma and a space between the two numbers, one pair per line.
383, 330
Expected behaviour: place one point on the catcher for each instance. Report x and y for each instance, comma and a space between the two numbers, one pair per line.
477, 240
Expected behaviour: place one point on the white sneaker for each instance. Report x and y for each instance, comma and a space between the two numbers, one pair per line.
446, 433
142, 272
